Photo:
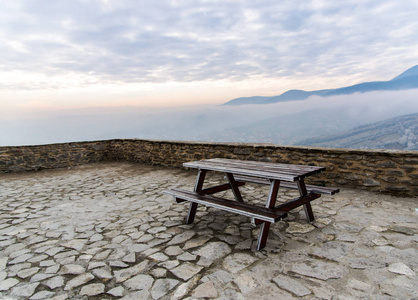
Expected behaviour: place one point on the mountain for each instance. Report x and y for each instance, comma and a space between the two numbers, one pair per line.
395, 133
406, 80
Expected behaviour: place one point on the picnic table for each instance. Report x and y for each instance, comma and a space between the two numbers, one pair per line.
238, 173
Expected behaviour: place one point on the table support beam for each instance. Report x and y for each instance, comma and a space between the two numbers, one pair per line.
307, 206
200, 180
265, 226
292, 204
234, 187
220, 188
198, 188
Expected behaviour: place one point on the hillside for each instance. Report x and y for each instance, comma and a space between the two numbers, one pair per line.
395, 133
406, 80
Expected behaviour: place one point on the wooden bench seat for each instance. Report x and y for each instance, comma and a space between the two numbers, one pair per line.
290, 185
245, 209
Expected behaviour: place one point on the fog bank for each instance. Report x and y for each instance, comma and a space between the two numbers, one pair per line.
32, 127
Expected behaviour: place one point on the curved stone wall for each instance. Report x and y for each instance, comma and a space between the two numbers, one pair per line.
386, 171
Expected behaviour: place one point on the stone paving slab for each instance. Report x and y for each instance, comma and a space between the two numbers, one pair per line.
105, 231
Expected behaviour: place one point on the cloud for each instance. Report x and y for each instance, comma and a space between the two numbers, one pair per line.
161, 41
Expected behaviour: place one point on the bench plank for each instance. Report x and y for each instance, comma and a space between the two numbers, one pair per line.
261, 213
289, 185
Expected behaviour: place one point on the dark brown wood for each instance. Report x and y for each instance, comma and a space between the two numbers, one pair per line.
201, 175
234, 187
264, 165
220, 188
302, 187
292, 204
262, 236
198, 188
216, 189
307, 206
259, 169
265, 227
245, 209
272, 168
239, 172
274, 189
309, 212
289, 185
256, 180
192, 213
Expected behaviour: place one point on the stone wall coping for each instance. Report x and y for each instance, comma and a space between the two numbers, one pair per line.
234, 144
274, 146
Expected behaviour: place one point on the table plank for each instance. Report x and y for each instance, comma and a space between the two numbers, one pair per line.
272, 171
269, 165
274, 167
241, 171
265, 166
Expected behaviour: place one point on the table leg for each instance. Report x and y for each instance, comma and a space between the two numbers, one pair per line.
262, 236
265, 226
307, 206
234, 187
198, 188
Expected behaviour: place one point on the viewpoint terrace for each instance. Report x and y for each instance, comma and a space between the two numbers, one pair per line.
92, 223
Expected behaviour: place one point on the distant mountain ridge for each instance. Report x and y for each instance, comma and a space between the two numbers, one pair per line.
406, 80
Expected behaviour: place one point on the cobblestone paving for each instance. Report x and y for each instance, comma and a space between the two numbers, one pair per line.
105, 231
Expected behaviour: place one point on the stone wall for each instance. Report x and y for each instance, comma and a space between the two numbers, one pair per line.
392, 172
33, 158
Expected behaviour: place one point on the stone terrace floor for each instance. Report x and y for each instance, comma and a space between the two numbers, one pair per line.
106, 231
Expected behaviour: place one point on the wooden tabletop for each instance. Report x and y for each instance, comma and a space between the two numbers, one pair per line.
274, 171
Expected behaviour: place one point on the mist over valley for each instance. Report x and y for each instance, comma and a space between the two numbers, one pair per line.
301, 122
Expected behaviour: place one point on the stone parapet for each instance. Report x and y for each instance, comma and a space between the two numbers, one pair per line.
386, 171
52, 156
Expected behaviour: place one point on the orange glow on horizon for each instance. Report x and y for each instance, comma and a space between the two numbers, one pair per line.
67, 92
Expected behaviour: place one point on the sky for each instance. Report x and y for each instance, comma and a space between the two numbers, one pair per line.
100, 53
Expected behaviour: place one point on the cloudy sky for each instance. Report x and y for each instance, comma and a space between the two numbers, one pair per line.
81, 53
